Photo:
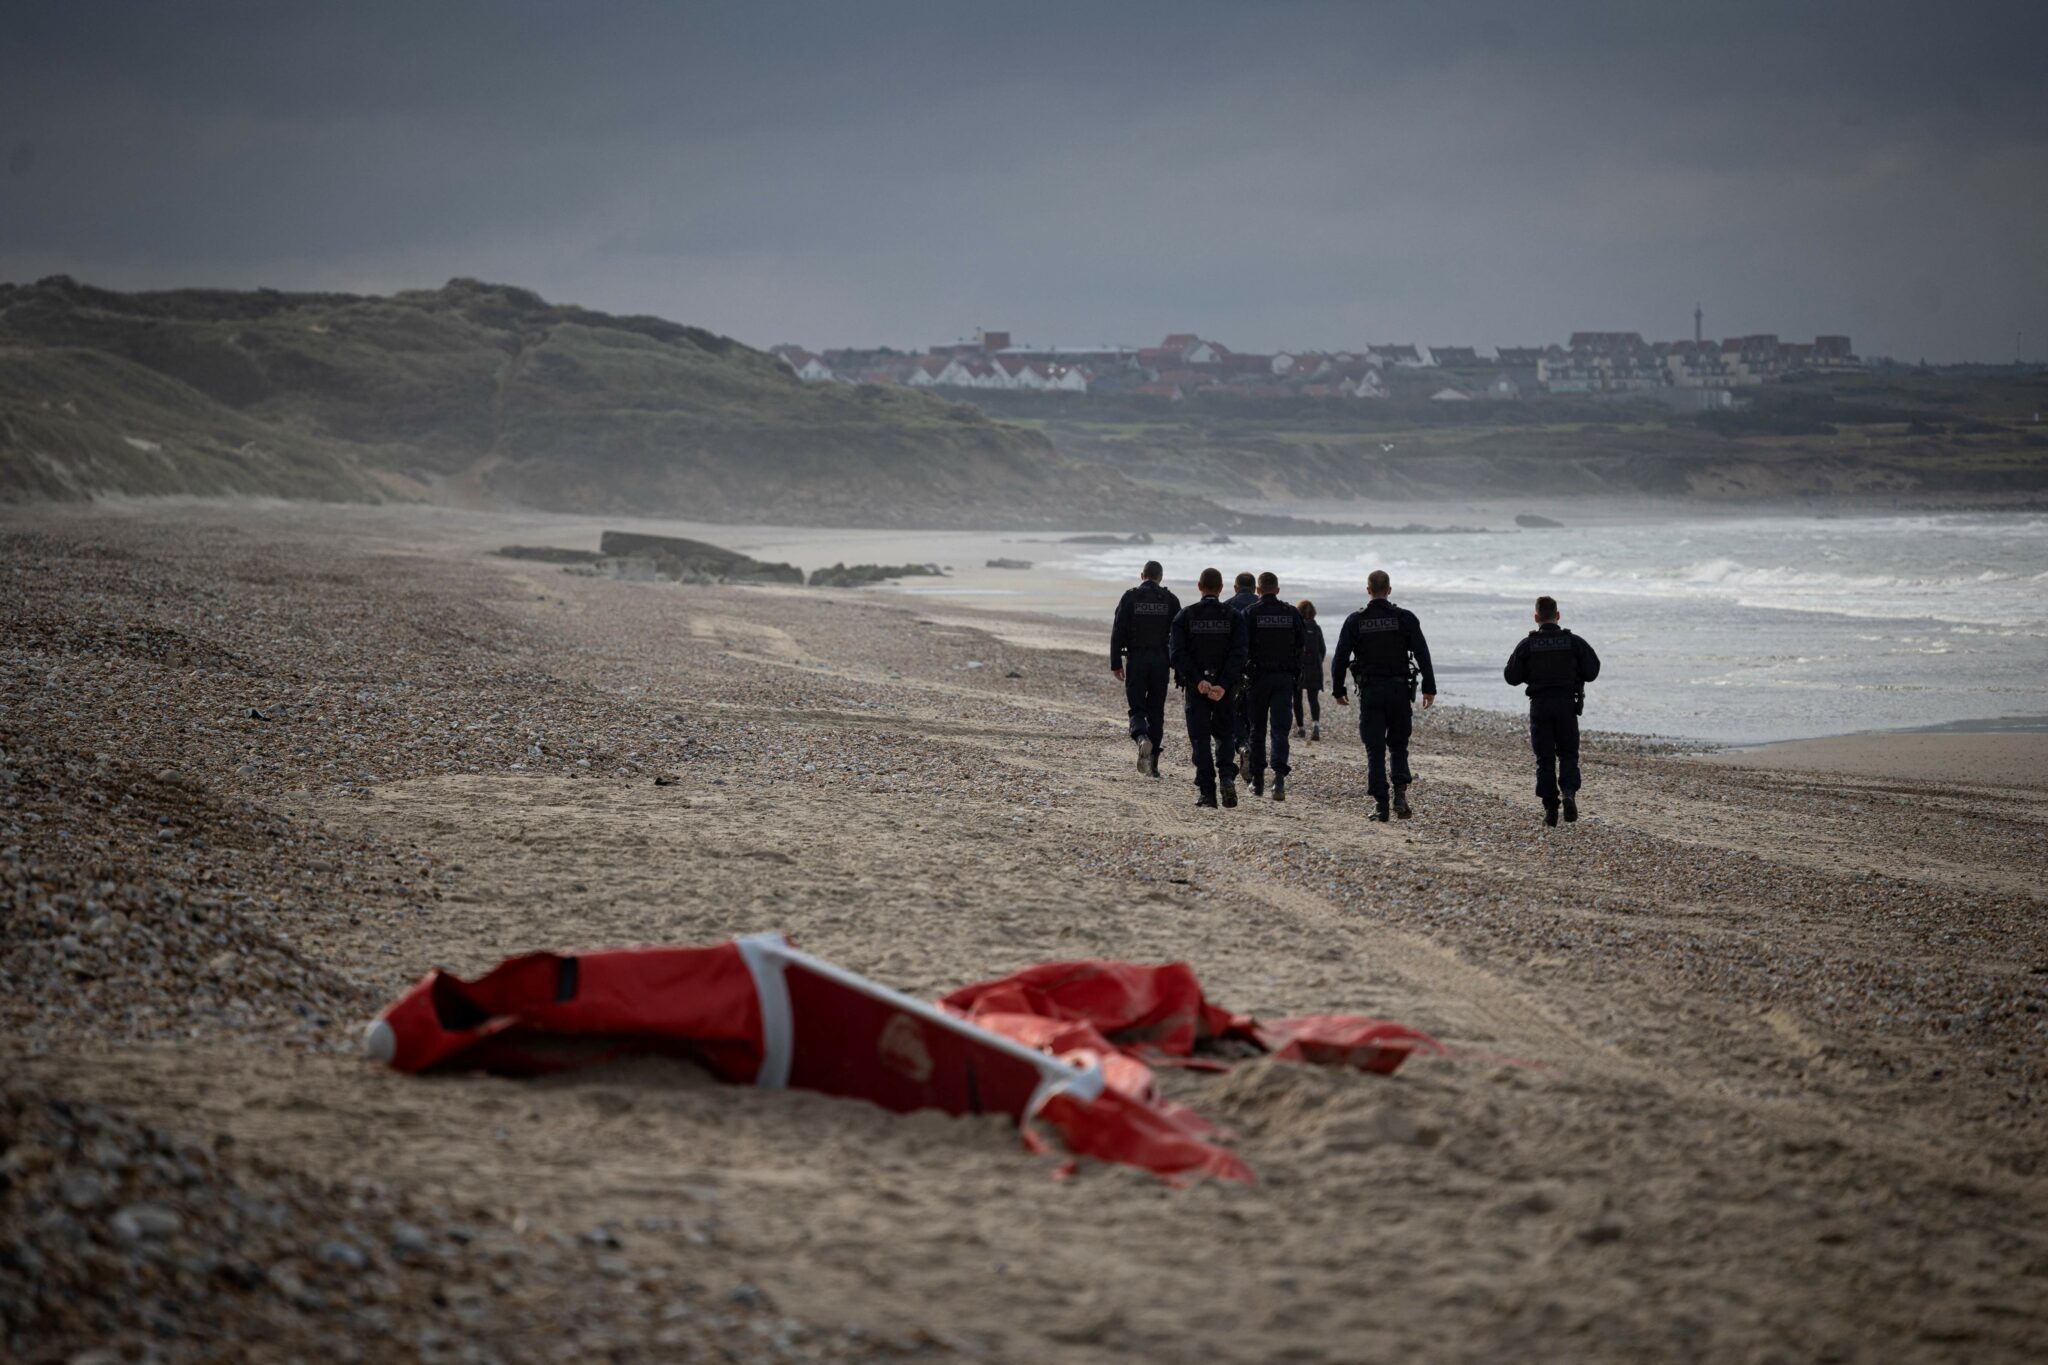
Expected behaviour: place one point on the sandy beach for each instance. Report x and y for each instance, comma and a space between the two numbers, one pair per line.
1747, 1065
1988, 758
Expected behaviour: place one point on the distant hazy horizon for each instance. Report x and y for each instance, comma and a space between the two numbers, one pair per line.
1307, 175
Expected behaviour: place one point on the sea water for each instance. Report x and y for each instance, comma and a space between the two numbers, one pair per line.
1736, 630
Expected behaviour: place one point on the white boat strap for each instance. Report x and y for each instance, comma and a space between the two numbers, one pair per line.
766, 955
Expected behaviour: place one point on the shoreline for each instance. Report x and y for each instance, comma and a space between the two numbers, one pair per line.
1950, 755
1052, 606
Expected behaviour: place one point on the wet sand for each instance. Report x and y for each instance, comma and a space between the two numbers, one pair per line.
1748, 1063
1990, 758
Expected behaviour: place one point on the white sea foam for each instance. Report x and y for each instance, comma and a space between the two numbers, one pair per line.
1717, 608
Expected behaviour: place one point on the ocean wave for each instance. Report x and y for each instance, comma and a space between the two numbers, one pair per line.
1870, 568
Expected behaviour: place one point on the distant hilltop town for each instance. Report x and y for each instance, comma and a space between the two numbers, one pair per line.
1700, 373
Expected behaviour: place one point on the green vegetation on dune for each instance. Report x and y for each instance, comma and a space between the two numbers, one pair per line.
492, 389
1888, 435
74, 422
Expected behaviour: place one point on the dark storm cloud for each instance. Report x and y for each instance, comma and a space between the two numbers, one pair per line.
1267, 174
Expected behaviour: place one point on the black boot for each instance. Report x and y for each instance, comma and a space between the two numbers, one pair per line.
1258, 782
1379, 809
1155, 763
1401, 803
1550, 812
1206, 799
1279, 786
1571, 810
1230, 794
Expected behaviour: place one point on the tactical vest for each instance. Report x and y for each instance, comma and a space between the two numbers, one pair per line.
1209, 626
1552, 660
1379, 646
1272, 630
1151, 617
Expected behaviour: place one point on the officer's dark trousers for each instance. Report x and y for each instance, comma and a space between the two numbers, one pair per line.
1554, 735
1272, 704
1311, 698
1210, 730
1384, 722
1145, 683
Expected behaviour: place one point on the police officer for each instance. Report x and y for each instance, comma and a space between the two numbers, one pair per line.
1374, 646
1137, 655
1206, 650
1276, 632
1555, 665
1241, 724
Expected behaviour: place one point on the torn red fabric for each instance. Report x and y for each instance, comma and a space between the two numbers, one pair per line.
545, 1012
1134, 1006
1068, 1045
1160, 1014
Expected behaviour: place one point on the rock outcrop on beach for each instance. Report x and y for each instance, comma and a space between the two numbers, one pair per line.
862, 575
696, 557
550, 554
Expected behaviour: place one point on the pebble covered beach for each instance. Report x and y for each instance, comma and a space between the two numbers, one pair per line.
1749, 1063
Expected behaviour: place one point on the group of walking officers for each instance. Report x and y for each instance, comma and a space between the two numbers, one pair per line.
1251, 664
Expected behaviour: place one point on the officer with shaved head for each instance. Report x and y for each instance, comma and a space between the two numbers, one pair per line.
1137, 655
1277, 633
1554, 666
1206, 650
1375, 647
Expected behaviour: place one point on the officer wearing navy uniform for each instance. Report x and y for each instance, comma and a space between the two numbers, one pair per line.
1241, 723
1554, 665
1137, 655
1374, 647
1206, 649
1276, 632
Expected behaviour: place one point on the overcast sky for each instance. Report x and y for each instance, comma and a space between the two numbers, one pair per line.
1265, 174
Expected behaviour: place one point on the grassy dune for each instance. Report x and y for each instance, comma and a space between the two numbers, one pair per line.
1929, 436
489, 391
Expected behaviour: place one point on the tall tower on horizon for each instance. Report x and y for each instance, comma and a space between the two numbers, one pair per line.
1698, 318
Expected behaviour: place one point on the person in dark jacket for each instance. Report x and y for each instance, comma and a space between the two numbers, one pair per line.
1554, 665
1241, 722
1137, 655
1375, 646
1275, 632
1308, 687
1206, 650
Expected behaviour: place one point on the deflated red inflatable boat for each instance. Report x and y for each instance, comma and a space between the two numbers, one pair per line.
1066, 1045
